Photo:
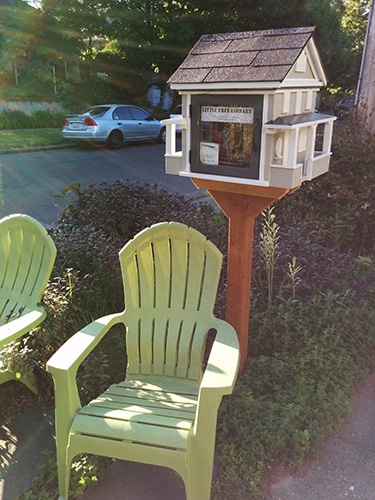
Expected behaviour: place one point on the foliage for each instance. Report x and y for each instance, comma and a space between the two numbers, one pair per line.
340, 204
158, 35
86, 470
304, 266
296, 260
32, 43
341, 67
354, 21
13, 119
305, 360
122, 209
142, 41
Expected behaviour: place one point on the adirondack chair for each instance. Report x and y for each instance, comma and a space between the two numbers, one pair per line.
27, 255
164, 412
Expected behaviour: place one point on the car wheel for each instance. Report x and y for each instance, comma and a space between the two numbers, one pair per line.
162, 135
115, 140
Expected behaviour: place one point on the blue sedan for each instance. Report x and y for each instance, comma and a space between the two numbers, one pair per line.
113, 125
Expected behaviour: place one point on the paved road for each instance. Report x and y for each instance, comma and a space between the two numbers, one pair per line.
32, 180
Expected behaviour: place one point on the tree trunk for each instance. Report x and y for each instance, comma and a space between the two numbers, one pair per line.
366, 81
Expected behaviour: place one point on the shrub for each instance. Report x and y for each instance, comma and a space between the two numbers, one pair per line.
13, 120
46, 119
122, 209
340, 205
305, 360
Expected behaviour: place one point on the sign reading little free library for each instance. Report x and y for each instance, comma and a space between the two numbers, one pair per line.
227, 139
228, 114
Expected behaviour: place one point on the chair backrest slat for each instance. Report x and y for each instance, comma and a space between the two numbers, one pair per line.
27, 255
170, 274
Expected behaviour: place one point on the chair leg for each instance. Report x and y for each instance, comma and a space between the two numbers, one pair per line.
63, 472
5, 375
198, 483
29, 381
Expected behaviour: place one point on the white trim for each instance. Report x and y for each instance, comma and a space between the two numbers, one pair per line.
309, 100
181, 122
299, 83
298, 109
317, 65
224, 178
248, 87
230, 86
286, 100
327, 118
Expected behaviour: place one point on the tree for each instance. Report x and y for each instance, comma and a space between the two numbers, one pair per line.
160, 33
32, 44
152, 37
354, 22
365, 89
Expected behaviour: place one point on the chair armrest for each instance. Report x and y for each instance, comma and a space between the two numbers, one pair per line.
63, 365
223, 362
19, 326
218, 379
71, 354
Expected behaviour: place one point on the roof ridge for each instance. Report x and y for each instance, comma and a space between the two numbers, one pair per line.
257, 33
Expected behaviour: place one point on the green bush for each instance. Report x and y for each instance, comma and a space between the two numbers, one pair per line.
340, 205
13, 119
122, 209
305, 361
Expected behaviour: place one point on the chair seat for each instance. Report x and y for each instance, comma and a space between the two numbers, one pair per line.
141, 413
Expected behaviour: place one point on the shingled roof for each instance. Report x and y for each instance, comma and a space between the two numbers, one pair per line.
251, 56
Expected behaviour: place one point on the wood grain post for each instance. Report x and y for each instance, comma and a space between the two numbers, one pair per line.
241, 203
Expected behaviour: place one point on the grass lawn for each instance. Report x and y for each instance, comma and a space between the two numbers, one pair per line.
13, 139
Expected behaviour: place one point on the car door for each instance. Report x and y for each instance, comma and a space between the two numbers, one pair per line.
147, 126
124, 121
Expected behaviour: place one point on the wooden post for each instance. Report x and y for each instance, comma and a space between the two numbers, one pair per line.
241, 203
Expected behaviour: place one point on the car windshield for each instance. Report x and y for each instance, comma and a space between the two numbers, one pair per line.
96, 110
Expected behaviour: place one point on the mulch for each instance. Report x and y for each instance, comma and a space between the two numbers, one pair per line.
15, 398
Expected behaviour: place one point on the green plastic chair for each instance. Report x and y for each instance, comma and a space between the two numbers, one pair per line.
27, 255
165, 411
